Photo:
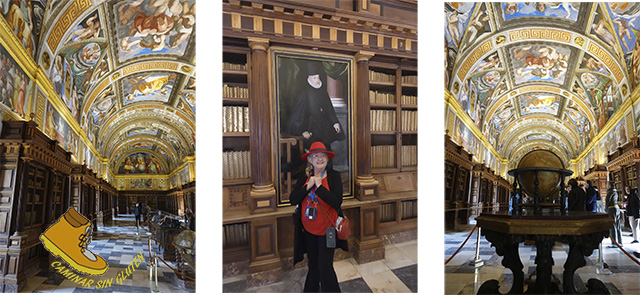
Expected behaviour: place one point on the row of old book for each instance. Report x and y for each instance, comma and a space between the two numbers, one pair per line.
234, 67
383, 156
388, 212
409, 99
409, 155
235, 235
409, 120
409, 209
381, 77
381, 97
236, 165
235, 91
235, 119
411, 79
383, 120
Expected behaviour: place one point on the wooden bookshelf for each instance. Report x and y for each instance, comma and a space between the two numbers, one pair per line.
235, 116
398, 103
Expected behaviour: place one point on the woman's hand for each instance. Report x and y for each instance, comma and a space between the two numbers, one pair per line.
311, 183
318, 181
306, 134
336, 126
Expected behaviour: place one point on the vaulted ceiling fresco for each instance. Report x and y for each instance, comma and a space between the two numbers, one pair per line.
541, 74
125, 69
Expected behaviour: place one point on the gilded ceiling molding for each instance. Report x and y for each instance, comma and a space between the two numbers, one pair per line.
453, 103
124, 115
136, 68
71, 14
161, 145
480, 50
532, 122
627, 105
520, 135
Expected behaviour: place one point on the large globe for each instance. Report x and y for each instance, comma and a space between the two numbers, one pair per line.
548, 181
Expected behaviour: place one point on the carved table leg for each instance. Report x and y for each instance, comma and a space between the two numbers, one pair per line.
579, 247
544, 262
506, 246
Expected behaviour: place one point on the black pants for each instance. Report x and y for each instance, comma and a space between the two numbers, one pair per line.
321, 274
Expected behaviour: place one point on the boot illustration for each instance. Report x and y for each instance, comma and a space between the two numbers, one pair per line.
68, 239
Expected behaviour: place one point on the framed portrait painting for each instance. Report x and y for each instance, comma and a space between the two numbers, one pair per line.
313, 96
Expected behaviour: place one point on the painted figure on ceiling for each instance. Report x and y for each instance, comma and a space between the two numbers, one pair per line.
90, 28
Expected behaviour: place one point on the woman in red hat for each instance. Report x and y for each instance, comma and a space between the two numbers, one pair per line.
317, 196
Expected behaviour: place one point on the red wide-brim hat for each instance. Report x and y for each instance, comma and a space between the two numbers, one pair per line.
318, 147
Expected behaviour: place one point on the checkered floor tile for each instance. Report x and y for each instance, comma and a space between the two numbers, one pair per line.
118, 244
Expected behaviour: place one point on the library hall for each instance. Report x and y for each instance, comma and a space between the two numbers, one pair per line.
97, 140
319, 146
541, 147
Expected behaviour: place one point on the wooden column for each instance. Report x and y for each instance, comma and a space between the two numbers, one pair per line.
263, 194
265, 266
366, 186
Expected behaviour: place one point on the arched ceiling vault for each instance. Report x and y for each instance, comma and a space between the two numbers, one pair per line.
541, 75
126, 71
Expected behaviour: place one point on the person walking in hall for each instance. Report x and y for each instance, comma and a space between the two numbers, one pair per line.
137, 211
591, 196
577, 197
318, 197
611, 202
633, 211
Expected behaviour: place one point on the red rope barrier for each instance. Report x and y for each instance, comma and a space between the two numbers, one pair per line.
176, 271
465, 241
625, 252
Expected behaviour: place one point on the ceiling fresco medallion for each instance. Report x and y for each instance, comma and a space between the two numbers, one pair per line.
540, 63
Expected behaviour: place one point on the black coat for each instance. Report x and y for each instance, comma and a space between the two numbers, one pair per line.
333, 198
577, 200
592, 196
314, 112
633, 208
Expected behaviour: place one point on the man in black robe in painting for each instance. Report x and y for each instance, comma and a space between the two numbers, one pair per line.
313, 116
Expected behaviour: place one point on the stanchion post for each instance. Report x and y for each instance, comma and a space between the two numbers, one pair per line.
477, 262
600, 264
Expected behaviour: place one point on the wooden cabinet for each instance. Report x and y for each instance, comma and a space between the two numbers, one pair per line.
458, 166
35, 172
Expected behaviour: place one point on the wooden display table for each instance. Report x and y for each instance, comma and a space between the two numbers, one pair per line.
583, 231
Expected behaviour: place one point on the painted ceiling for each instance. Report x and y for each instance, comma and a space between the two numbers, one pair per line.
125, 70
534, 75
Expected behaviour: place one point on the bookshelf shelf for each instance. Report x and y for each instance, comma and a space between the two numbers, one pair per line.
409, 106
235, 101
235, 72
383, 132
383, 106
236, 134
410, 85
381, 83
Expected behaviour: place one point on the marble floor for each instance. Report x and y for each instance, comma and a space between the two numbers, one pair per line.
621, 277
118, 245
397, 273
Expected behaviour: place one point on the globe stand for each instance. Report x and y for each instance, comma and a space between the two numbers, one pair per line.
538, 195
547, 223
